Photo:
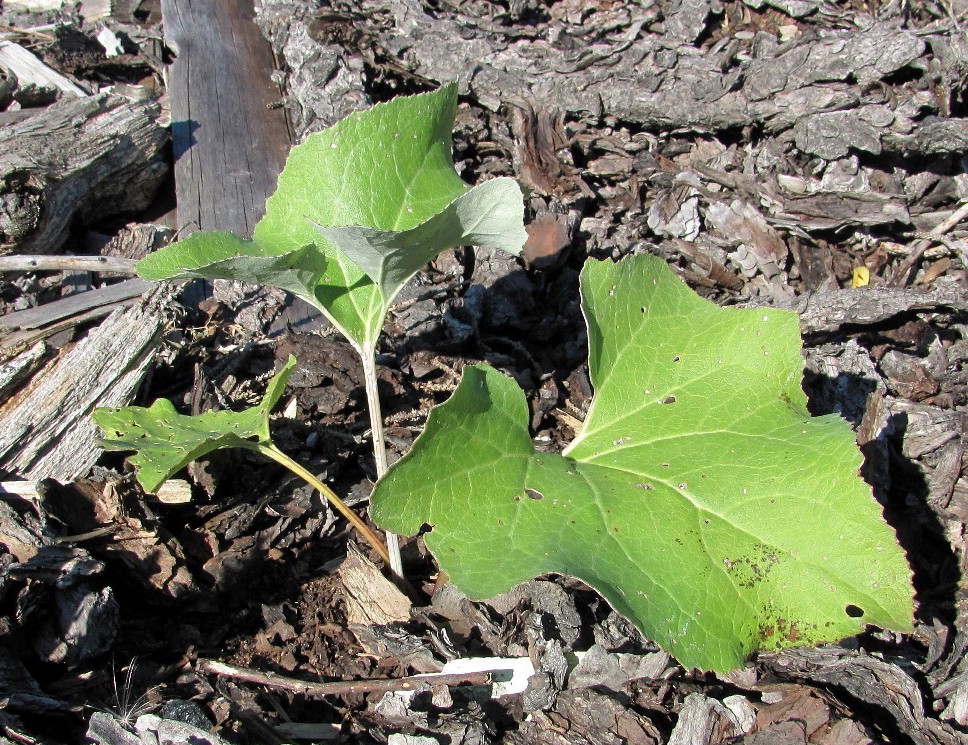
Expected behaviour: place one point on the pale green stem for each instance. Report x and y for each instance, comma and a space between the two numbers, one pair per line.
368, 355
271, 451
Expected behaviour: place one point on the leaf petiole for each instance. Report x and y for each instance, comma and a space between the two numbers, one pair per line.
368, 357
271, 451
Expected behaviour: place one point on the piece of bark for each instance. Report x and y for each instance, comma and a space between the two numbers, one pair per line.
109, 728
20, 692
934, 137
587, 716
824, 312
83, 159
538, 136
832, 135
21, 532
137, 241
706, 90
81, 624
323, 82
45, 429
825, 210
371, 599
702, 721
872, 681
741, 223
8, 83
926, 428
613, 670
784, 733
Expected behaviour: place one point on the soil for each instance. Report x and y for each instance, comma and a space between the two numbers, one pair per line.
791, 153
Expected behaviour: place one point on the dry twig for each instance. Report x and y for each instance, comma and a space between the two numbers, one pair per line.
410, 683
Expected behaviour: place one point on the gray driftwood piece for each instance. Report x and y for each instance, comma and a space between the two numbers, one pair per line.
45, 429
87, 158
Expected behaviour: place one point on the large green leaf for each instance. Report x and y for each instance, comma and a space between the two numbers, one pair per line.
166, 441
700, 498
378, 174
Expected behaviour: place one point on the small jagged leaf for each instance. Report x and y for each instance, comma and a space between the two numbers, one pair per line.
700, 497
166, 441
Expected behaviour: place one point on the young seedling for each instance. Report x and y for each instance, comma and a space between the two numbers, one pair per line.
165, 441
700, 497
359, 209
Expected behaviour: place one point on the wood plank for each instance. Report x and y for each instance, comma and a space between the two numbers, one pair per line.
43, 315
229, 142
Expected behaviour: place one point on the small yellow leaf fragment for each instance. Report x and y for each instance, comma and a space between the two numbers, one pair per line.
861, 277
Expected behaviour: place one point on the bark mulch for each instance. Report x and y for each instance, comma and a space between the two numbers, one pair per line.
786, 153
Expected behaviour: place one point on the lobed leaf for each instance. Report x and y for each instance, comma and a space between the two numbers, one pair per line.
165, 441
700, 497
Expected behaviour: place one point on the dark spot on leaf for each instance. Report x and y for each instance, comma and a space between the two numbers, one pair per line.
669, 400
853, 611
642, 310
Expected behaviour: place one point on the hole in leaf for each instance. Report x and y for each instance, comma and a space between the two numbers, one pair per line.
853, 611
425, 528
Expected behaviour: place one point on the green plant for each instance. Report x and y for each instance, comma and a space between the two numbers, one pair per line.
359, 209
700, 497
165, 441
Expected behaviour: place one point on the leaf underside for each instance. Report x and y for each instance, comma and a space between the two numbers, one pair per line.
700, 497
166, 441
376, 174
